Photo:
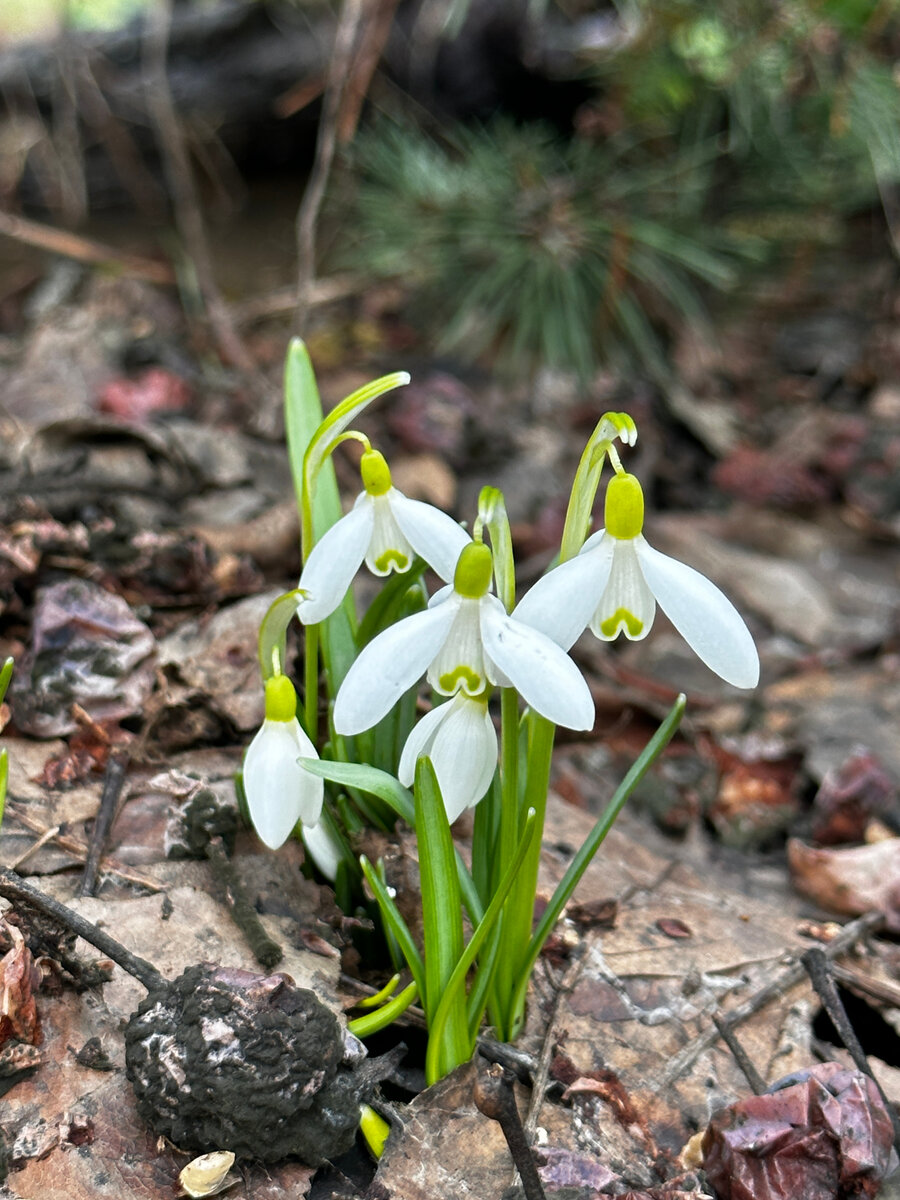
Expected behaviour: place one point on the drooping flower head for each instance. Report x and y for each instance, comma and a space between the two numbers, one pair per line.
460, 739
616, 581
385, 529
465, 640
279, 791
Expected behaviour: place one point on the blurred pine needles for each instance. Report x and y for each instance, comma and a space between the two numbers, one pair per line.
720, 132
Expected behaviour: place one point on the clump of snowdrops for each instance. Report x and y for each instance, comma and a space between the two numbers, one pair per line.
374, 759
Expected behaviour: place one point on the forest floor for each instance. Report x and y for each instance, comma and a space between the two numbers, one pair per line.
148, 520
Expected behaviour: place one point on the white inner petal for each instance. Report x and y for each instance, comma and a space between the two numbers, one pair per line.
459, 663
389, 550
464, 754
627, 605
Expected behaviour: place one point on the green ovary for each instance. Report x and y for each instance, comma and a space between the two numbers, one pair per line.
620, 617
470, 680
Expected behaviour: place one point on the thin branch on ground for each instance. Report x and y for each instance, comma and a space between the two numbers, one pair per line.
179, 176
308, 213
783, 982
18, 891
82, 249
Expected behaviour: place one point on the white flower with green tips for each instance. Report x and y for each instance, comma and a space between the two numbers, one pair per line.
279, 791
385, 529
465, 640
615, 583
460, 739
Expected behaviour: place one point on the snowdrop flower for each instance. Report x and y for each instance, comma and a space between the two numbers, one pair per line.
384, 528
460, 739
615, 583
464, 640
322, 848
279, 792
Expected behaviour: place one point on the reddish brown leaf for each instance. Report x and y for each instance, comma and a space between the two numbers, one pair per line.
850, 880
19, 976
673, 928
823, 1134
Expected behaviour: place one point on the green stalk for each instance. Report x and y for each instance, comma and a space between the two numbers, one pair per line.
579, 863
441, 921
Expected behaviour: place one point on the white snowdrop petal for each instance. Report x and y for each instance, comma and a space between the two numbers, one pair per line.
542, 673
312, 792
464, 755
562, 603
389, 665
323, 849
389, 549
626, 605
460, 661
704, 616
432, 534
441, 595
419, 742
278, 790
334, 560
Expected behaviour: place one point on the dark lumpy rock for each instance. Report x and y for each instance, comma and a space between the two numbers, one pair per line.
223, 1059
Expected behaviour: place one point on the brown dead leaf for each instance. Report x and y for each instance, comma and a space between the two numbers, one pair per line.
19, 976
88, 648
850, 880
821, 1134
850, 795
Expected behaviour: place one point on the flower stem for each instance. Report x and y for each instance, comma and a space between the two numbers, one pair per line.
311, 682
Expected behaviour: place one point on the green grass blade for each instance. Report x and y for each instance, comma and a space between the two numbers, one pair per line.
441, 922
372, 1022
390, 914
579, 863
453, 992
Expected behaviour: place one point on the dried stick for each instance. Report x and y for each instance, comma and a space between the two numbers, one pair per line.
783, 982
308, 213
72, 245
113, 780
366, 60
72, 846
16, 890
494, 1097
185, 201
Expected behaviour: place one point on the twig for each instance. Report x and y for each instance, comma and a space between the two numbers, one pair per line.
73, 846
113, 780
494, 1097
185, 201
308, 212
72, 245
819, 970
15, 889
542, 1074
47, 836
786, 979
729, 1037
266, 951
371, 46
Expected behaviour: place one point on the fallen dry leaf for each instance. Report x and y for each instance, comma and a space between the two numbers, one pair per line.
850, 880
88, 648
823, 1134
19, 976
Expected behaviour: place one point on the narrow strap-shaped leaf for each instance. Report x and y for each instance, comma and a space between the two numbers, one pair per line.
385, 608
455, 984
386, 788
372, 1022
5, 675
579, 863
391, 916
441, 917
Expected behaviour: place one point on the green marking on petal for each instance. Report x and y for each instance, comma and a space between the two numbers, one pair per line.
281, 699
470, 680
395, 558
611, 626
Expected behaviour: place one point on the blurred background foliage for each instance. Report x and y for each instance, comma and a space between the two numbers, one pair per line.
715, 136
